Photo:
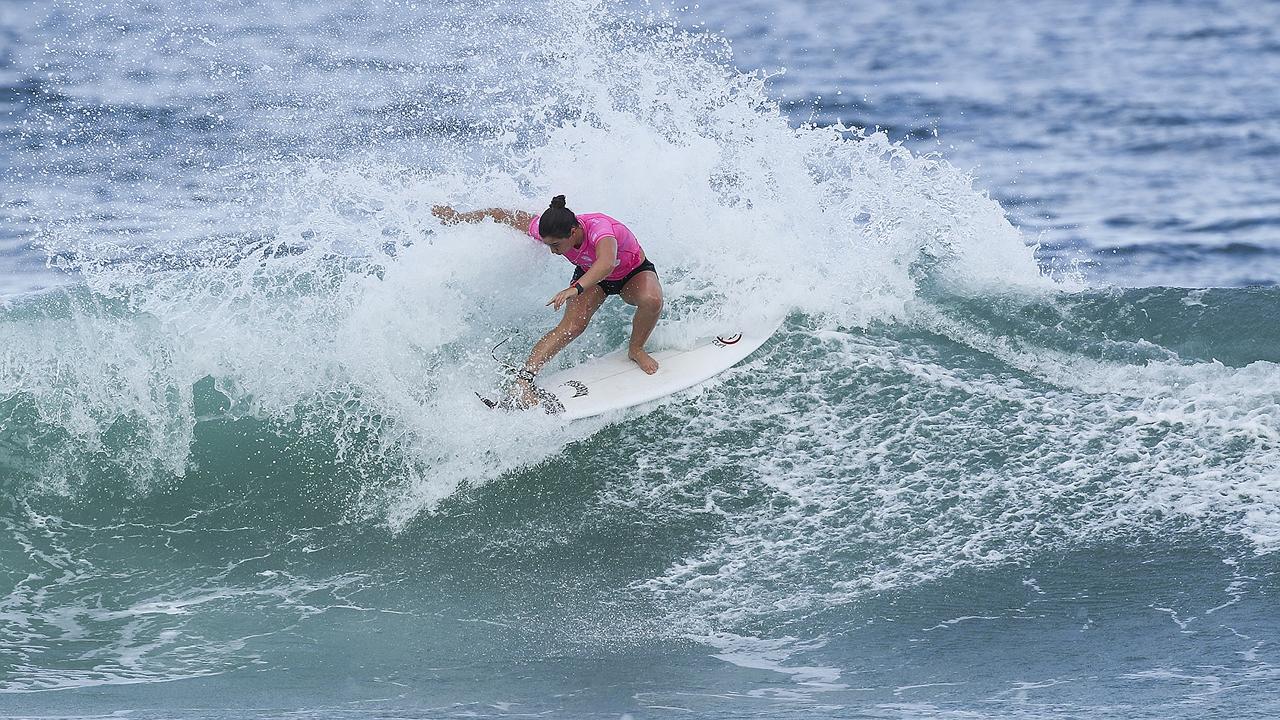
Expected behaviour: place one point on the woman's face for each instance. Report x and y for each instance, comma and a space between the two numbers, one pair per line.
558, 246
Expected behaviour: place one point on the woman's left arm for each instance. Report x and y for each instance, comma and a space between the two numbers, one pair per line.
606, 261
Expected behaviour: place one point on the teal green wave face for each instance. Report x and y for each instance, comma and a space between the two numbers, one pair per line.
907, 497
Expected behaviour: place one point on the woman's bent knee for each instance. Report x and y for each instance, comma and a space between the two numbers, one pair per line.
571, 329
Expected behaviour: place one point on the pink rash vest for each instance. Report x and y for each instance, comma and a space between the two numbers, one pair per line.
594, 227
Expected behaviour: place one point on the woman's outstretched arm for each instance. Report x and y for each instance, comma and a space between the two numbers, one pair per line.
517, 219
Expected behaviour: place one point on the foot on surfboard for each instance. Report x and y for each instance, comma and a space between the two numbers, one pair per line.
524, 396
644, 360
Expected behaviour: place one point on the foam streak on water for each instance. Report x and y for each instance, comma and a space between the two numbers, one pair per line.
895, 461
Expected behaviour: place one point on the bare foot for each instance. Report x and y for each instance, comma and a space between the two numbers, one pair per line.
644, 360
525, 396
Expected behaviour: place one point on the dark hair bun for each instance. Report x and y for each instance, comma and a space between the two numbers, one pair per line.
557, 221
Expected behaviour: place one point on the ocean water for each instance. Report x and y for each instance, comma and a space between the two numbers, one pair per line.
1015, 452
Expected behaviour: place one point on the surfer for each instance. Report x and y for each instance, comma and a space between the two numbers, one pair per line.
608, 260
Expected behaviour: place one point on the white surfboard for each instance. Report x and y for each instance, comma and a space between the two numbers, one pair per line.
613, 381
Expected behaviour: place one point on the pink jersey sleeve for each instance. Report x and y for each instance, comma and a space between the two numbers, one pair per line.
533, 228
598, 225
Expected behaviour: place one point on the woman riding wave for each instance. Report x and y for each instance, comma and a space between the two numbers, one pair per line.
608, 260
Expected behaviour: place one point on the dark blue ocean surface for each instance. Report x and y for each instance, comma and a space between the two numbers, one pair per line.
1015, 452
1139, 138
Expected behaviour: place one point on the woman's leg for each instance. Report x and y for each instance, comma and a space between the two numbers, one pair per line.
577, 314
645, 293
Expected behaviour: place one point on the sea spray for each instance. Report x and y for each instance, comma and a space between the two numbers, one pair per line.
344, 308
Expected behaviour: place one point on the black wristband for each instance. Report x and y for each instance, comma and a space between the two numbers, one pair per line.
579, 286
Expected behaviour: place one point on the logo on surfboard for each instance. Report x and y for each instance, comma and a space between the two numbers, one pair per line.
579, 388
726, 340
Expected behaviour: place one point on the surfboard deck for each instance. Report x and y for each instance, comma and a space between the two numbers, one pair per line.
613, 382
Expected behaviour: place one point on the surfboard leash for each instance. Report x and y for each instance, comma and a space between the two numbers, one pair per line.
549, 402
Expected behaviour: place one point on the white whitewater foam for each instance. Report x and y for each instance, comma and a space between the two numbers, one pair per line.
357, 315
